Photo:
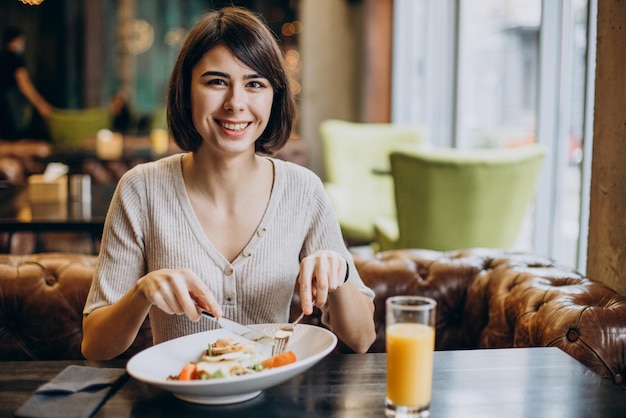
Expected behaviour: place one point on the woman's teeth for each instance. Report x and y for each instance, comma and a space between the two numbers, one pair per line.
234, 126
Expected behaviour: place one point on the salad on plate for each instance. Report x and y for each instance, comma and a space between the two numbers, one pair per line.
227, 357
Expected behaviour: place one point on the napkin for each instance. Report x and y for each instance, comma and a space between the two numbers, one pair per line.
76, 392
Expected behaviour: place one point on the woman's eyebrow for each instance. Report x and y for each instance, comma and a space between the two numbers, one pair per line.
226, 75
252, 76
215, 73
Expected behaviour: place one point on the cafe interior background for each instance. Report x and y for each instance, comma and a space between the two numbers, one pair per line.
472, 73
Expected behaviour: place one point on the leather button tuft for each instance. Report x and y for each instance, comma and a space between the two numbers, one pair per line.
572, 335
50, 279
619, 379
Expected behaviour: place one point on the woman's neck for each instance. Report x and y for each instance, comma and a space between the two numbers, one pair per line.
220, 179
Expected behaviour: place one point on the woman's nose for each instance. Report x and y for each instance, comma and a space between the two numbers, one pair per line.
235, 100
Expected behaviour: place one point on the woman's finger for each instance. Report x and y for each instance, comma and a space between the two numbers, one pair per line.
305, 278
204, 298
321, 276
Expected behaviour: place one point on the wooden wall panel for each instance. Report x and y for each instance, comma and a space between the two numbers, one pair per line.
376, 80
606, 254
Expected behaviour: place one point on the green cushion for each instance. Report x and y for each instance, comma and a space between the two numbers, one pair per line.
352, 152
70, 127
451, 199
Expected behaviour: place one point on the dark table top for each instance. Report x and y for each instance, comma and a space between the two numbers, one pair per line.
519, 382
17, 213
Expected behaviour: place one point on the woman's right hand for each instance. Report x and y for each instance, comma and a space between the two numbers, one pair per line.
177, 291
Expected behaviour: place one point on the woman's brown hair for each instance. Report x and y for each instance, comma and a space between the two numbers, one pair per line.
251, 41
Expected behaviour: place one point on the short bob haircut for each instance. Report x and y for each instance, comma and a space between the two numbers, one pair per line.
253, 43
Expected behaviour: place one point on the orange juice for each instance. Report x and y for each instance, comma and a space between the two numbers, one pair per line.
410, 348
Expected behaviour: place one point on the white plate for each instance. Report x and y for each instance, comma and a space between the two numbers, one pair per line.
310, 344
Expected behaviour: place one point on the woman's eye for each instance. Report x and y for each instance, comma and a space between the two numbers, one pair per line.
256, 84
216, 82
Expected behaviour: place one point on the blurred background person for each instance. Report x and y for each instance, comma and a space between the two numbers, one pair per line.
17, 91
120, 111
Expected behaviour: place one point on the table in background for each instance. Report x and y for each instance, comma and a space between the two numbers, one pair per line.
17, 215
519, 382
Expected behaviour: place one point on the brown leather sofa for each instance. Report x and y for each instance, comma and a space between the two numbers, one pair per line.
497, 299
486, 299
41, 303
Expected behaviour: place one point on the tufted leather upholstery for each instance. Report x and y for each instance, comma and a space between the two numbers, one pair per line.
496, 299
486, 299
41, 302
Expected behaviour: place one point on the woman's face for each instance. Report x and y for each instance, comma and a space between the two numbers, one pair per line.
230, 102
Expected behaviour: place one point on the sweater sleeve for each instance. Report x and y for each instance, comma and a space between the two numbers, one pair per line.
121, 261
325, 234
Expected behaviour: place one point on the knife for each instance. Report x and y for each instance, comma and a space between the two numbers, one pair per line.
241, 330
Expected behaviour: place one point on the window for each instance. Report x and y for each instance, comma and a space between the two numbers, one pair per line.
494, 73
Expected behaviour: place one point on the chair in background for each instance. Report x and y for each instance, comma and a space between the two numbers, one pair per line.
453, 199
158, 119
353, 153
70, 127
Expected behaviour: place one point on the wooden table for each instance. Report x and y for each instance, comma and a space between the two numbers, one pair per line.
520, 382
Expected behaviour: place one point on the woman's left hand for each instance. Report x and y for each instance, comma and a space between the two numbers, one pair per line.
321, 273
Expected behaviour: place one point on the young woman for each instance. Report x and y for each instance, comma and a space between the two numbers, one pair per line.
223, 225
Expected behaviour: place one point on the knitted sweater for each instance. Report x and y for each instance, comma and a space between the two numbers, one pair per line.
151, 225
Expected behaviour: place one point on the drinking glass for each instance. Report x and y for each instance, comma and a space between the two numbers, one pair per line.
410, 335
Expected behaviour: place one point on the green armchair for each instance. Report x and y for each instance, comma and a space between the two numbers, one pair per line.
70, 127
353, 153
452, 199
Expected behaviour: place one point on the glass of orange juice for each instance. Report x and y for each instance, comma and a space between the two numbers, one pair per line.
410, 335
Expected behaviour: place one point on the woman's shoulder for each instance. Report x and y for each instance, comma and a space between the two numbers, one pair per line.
157, 172
161, 167
296, 179
293, 170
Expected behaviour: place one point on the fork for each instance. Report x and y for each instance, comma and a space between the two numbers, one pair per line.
281, 338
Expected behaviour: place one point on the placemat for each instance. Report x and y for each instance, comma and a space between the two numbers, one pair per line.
76, 392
